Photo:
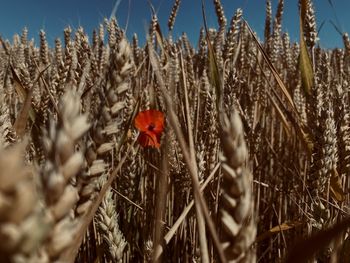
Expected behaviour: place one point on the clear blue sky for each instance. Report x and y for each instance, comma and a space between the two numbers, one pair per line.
54, 15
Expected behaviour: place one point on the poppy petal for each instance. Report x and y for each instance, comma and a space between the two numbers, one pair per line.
158, 129
143, 139
141, 121
150, 123
148, 139
145, 118
157, 121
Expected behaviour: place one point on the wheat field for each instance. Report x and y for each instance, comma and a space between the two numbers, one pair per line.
252, 164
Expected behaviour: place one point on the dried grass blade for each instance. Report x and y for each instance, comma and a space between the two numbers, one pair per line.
273, 70
301, 129
213, 65
22, 93
336, 188
47, 88
169, 235
305, 65
277, 229
21, 120
299, 126
285, 123
18, 85
200, 217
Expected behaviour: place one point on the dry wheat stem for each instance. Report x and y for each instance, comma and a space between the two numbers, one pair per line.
170, 234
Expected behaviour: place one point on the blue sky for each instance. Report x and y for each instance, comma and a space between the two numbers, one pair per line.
54, 15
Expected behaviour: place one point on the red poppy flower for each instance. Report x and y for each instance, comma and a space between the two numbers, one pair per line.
150, 123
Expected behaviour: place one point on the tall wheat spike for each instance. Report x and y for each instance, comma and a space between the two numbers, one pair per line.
173, 14
24, 223
107, 222
237, 211
60, 170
